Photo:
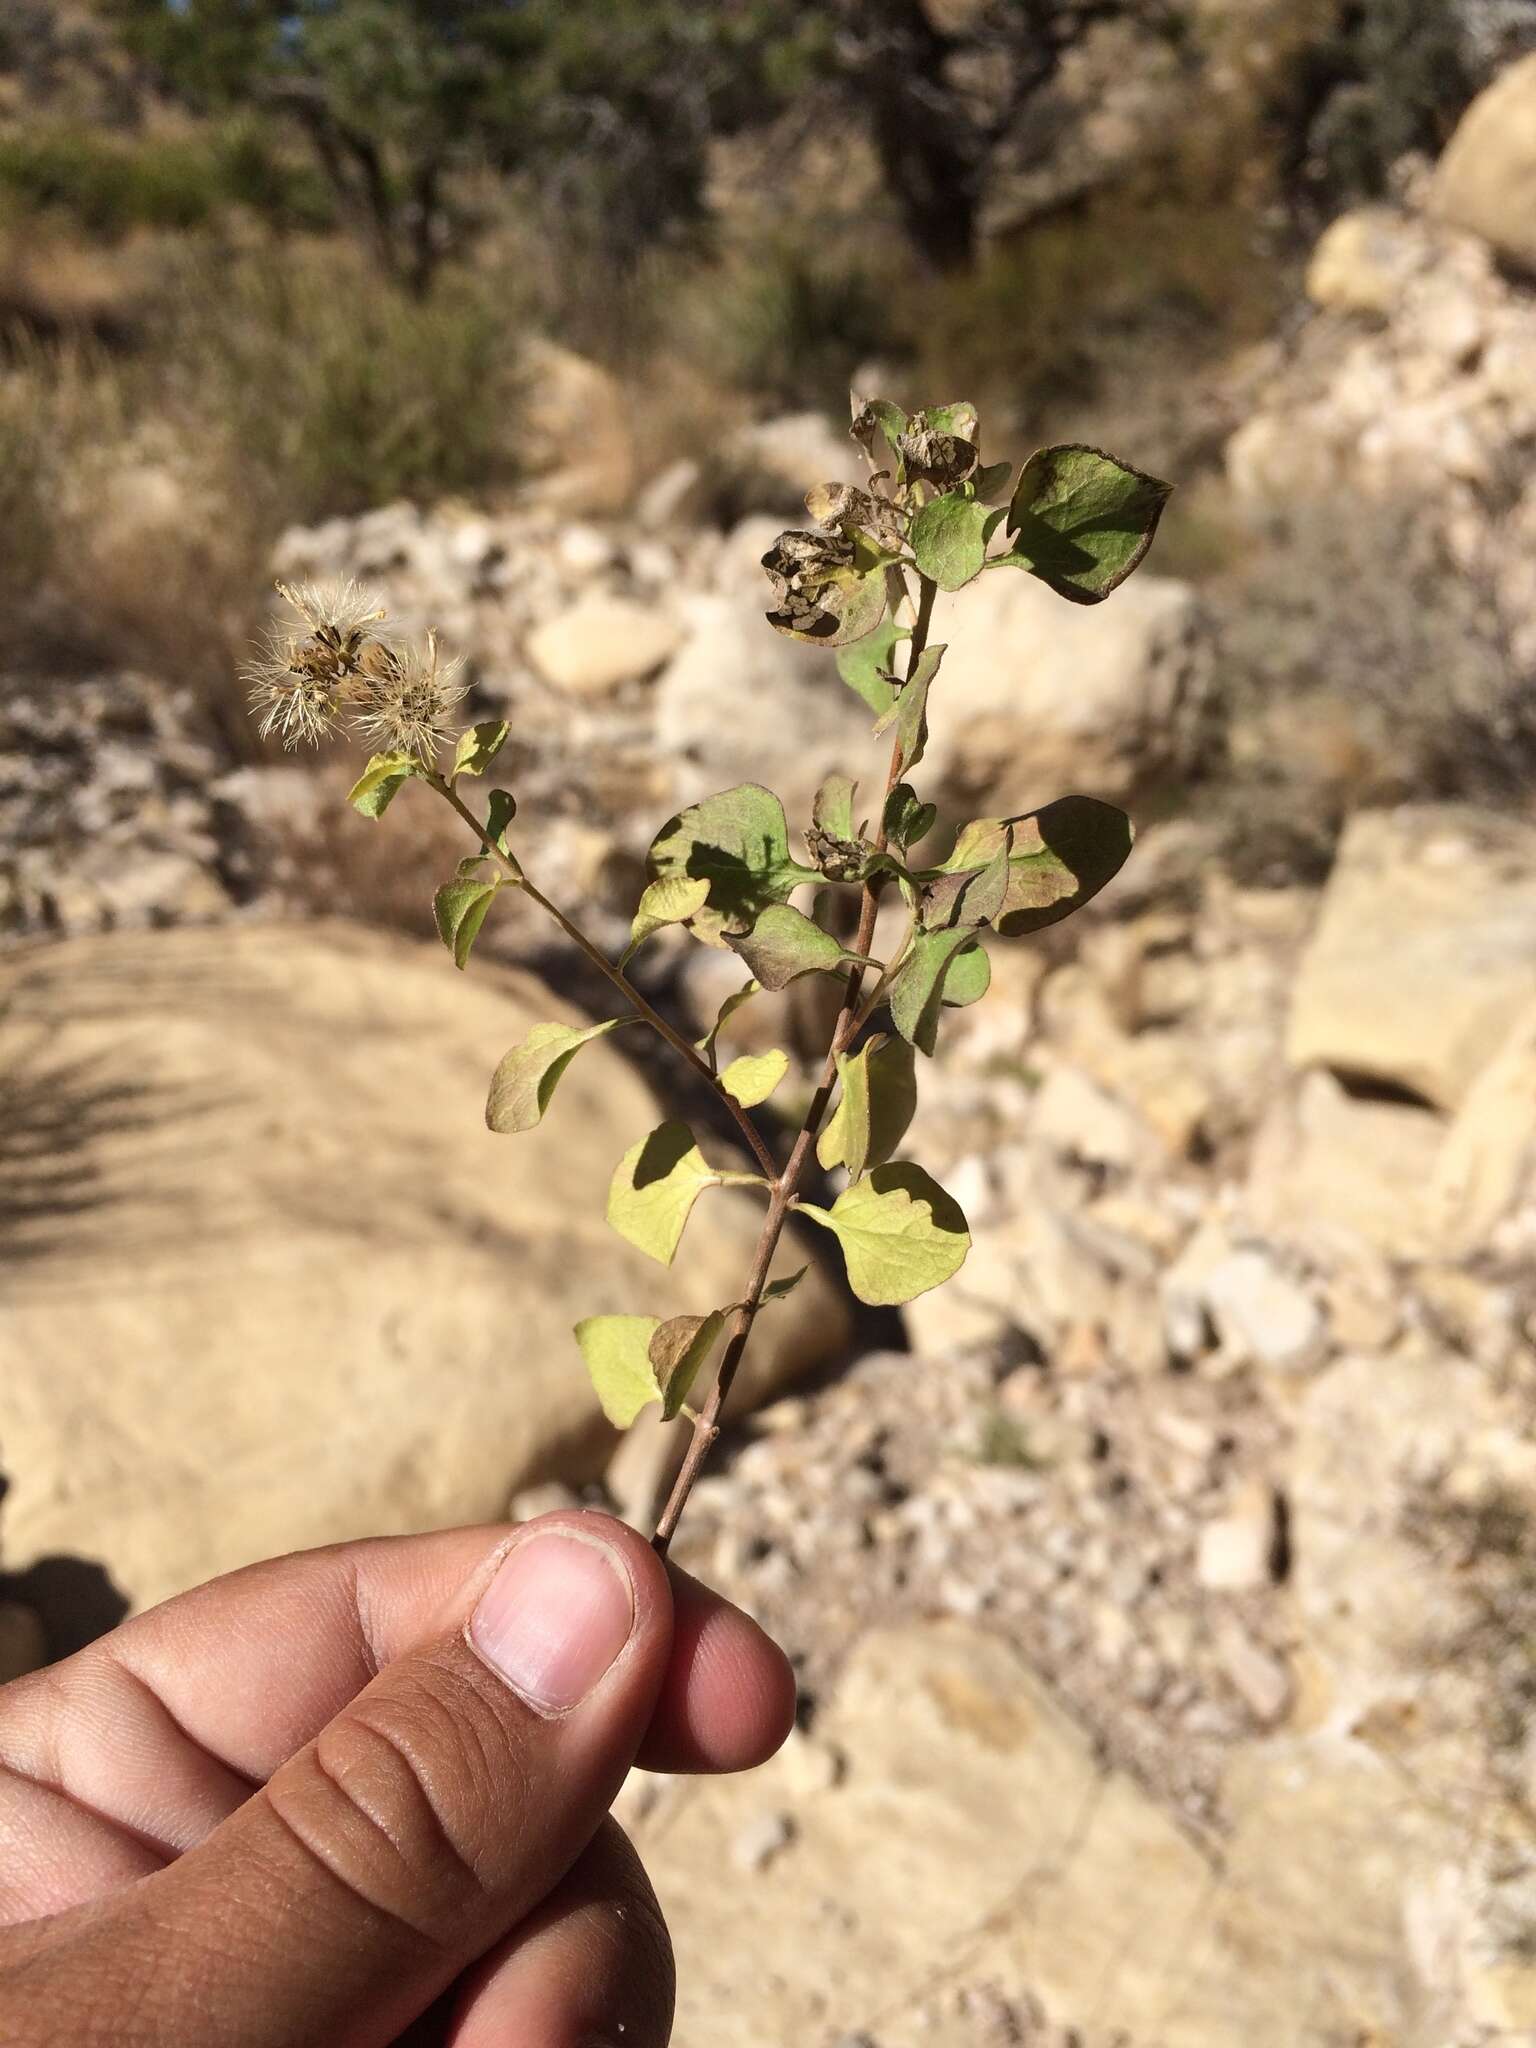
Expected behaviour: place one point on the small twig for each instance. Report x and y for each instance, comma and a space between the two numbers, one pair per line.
849, 1022
626, 988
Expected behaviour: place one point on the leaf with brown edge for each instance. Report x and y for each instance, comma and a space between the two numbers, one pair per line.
678, 1353
1062, 856
784, 944
1082, 520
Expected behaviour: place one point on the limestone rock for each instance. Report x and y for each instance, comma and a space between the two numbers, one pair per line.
272, 1283
740, 703
791, 453
577, 432
1328, 1162
1262, 1313
980, 1826
1365, 261
600, 644
1486, 180
1237, 1551
1104, 698
1425, 952
1489, 1159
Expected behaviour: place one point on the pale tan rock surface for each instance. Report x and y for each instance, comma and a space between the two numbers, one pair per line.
1425, 952
971, 1836
1102, 698
1486, 180
272, 1283
600, 644
1487, 1166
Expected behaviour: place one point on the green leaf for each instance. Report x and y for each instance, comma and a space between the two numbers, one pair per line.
780, 1290
678, 1353
917, 992
832, 807
969, 897
753, 1078
738, 842
907, 818
784, 944
960, 419
380, 783
500, 810
909, 714
460, 909
877, 1105
967, 978
478, 748
864, 665
1081, 521
672, 901
728, 1009
528, 1075
1062, 856
654, 1189
949, 538
901, 1234
991, 483
617, 1353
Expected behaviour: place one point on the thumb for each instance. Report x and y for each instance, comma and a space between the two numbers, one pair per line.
431, 1816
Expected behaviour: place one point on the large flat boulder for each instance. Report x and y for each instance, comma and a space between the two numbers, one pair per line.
1424, 953
266, 1279
969, 1838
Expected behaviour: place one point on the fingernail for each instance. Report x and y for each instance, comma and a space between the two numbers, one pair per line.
555, 1617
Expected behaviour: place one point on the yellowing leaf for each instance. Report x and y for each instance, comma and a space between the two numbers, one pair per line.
1062, 856
654, 1189
878, 1103
900, 1232
670, 901
380, 783
529, 1074
460, 909
478, 748
753, 1078
617, 1352
728, 1009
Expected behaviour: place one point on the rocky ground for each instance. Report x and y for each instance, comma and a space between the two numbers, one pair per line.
1163, 1610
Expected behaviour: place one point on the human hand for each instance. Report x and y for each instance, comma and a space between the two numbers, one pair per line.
359, 1796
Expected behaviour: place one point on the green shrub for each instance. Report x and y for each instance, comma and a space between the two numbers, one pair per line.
108, 185
331, 392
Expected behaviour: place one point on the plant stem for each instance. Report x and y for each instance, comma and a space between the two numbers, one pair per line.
616, 975
850, 1021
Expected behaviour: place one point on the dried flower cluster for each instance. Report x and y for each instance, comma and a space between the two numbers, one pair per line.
325, 667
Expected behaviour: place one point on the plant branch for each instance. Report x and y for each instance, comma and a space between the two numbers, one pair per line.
626, 988
849, 1022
